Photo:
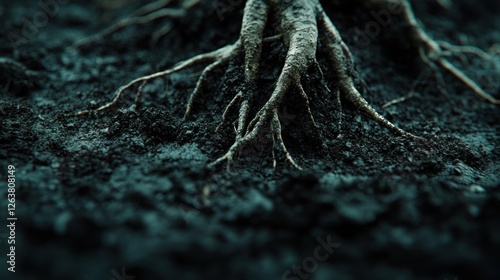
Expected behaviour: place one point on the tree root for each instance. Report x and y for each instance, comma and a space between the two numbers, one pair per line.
300, 27
302, 24
433, 52
143, 15
211, 57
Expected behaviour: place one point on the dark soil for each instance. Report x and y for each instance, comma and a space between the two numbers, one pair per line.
130, 187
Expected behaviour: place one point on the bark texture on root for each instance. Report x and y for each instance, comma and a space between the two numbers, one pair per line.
302, 24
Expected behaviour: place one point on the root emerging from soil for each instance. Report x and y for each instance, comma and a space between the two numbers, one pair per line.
434, 54
302, 24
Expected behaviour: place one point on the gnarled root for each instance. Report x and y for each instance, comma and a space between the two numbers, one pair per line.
301, 24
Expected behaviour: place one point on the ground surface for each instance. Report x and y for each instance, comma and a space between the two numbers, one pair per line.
130, 188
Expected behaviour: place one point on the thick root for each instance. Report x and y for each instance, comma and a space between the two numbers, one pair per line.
302, 24
341, 58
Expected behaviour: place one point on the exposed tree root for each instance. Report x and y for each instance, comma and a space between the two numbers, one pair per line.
302, 24
434, 52
211, 57
143, 15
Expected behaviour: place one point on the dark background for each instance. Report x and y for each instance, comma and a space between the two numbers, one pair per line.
129, 188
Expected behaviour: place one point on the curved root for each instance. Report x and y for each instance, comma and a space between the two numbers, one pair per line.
209, 57
302, 23
434, 53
